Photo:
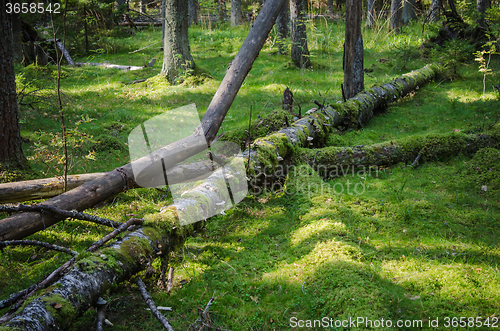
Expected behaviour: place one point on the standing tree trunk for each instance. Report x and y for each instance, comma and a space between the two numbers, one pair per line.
409, 11
353, 50
370, 14
221, 9
143, 6
329, 8
194, 9
395, 15
283, 30
236, 14
434, 10
482, 6
176, 52
300, 52
17, 37
11, 152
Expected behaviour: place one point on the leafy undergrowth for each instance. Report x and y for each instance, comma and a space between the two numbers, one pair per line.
397, 243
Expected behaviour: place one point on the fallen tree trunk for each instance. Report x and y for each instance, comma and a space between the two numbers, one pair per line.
141, 23
41, 188
337, 161
359, 110
116, 66
50, 187
120, 179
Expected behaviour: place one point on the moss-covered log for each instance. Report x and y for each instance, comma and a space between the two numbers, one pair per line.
267, 152
334, 161
359, 110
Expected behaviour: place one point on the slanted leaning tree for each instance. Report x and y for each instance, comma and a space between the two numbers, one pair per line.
353, 50
300, 52
11, 152
177, 57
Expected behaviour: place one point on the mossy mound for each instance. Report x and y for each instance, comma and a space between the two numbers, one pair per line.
482, 172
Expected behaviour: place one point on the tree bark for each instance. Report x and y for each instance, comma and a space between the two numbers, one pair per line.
176, 52
396, 11
236, 13
409, 11
11, 152
300, 52
434, 10
41, 188
482, 7
17, 37
329, 8
50, 187
370, 14
221, 10
122, 178
194, 9
353, 50
283, 30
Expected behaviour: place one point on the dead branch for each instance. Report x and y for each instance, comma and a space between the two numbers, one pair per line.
60, 212
37, 243
149, 301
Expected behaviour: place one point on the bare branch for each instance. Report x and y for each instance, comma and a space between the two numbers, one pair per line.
149, 301
37, 243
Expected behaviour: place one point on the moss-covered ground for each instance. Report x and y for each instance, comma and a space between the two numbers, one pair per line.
397, 243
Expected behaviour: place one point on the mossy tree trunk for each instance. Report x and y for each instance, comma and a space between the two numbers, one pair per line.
300, 52
11, 152
176, 52
353, 50
333, 161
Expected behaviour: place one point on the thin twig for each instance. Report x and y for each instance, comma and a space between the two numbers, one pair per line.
149, 301
37, 243
60, 212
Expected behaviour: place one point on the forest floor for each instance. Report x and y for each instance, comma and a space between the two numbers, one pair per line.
398, 243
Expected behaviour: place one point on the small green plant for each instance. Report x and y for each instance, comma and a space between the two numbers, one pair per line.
452, 54
484, 65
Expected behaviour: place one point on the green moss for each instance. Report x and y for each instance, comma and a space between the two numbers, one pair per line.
482, 173
65, 314
135, 248
167, 220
